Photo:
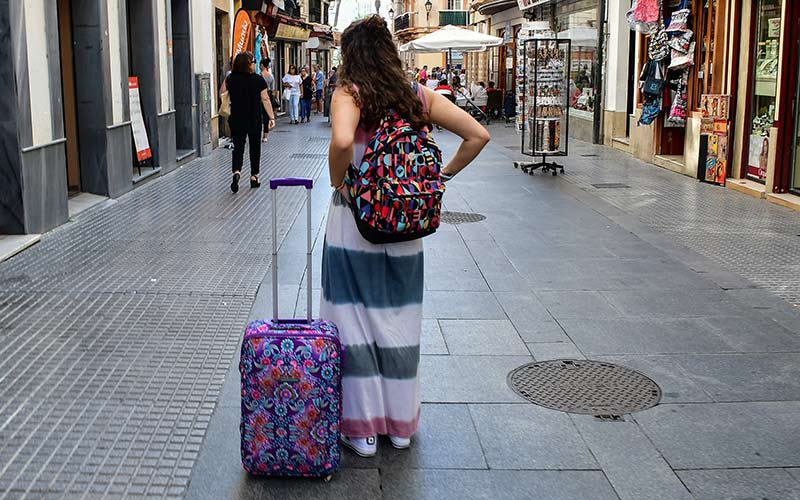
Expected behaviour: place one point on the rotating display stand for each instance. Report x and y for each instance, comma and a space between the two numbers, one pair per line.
543, 87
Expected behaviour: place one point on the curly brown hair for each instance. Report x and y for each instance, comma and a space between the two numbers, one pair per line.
372, 73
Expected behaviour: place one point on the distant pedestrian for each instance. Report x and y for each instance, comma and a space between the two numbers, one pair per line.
306, 94
373, 292
249, 96
270, 81
291, 84
319, 82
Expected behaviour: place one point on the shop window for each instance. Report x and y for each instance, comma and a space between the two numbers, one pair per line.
577, 20
764, 85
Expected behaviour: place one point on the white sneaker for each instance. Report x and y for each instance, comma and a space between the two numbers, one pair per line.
363, 447
400, 443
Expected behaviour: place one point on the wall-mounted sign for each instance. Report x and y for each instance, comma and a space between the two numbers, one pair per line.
774, 27
140, 140
242, 33
294, 33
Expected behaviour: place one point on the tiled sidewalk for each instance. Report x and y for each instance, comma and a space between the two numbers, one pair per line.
556, 272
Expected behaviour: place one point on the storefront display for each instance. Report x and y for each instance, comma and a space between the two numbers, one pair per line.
764, 86
713, 162
544, 87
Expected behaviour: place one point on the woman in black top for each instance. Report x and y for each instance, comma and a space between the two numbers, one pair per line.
248, 94
307, 90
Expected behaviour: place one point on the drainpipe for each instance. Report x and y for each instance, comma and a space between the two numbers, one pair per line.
598, 87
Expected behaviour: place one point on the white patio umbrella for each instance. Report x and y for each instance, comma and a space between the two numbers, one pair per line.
452, 38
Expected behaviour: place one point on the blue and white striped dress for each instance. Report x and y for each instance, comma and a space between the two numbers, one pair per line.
374, 295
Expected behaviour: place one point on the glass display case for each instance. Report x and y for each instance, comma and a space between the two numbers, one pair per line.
544, 90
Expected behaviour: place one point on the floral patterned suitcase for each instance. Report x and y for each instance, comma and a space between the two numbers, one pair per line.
291, 385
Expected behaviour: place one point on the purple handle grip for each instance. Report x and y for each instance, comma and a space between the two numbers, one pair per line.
291, 181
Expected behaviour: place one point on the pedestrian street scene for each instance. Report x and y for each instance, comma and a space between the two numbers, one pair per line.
353, 249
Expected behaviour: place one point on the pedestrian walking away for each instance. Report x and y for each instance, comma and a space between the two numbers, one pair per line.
249, 98
291, 84
319, 81
380, 320
306, 94
270, 81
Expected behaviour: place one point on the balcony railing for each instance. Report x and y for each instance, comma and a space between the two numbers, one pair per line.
454, 17
404, 21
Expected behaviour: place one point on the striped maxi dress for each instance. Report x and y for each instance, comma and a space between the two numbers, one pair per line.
373, 293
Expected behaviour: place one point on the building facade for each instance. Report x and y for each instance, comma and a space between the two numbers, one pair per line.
67, 120
415, 18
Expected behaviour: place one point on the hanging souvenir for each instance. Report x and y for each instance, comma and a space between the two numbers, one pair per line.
653, 79
651, 108
644, 16
658, 50
680, 18
679, 108
681, 42
681, 60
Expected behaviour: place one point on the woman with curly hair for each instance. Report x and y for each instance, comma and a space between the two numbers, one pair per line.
373, 292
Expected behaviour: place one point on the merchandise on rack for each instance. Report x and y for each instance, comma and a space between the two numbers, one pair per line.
544, 94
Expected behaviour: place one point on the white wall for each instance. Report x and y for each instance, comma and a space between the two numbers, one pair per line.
163, 55
617, 70
118, 88
39, 62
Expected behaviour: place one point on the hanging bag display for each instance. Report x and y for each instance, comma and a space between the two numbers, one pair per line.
680, 18
658, 48
682, 60
654, 80
682, 42
644, 16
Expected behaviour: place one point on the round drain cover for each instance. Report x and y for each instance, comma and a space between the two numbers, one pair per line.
461, 217
585, 387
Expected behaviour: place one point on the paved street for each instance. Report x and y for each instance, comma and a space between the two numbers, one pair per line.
119, 334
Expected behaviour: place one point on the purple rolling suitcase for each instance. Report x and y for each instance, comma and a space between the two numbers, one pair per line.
291, 383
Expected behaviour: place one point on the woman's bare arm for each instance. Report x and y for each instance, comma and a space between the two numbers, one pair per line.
446, 114
267, 103
345, 116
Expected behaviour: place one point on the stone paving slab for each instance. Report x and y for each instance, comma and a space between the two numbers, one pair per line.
741, 484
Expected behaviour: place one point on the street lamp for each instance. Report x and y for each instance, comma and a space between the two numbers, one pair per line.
377, 6
428, 7
391, 13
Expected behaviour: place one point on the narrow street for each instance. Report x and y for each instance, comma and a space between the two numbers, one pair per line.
119, 336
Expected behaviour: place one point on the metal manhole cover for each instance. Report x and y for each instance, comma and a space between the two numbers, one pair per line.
585, 387
461, 217
611, 185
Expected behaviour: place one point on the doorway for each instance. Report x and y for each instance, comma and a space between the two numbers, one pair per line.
223, 59
182, 80
69, 100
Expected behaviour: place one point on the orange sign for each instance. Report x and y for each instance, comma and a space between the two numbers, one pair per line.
242, 29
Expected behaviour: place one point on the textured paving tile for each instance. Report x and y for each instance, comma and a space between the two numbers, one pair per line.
577, 305
461, 305
482, 337
644, 336
530, 437
741, 484
468, 379
418, 484
432, 341
634, 467
545, 351
729, 435
446, 440
119, 328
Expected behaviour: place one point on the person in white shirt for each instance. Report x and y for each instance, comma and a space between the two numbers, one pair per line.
479, 95
291, 82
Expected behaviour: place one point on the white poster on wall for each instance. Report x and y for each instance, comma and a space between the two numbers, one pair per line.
137, 121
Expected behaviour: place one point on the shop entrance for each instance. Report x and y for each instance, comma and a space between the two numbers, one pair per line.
69, 100
221, 27
182, 79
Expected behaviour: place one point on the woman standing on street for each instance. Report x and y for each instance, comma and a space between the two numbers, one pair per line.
291, 82
307, 92
249, 97
374, 292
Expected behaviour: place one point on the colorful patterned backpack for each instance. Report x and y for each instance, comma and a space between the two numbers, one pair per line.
396, 192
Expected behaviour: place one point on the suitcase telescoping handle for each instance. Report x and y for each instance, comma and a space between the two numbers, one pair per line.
274, 184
